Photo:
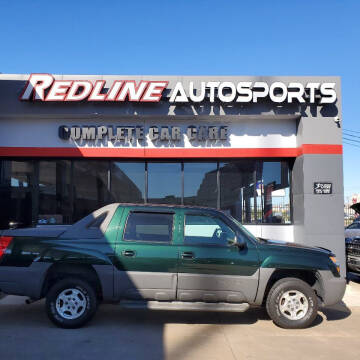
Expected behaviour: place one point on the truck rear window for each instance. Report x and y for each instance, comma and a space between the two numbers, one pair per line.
151, 227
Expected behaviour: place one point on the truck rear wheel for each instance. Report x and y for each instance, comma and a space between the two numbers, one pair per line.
71, 303
292, 304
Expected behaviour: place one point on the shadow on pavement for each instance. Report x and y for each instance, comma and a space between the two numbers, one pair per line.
182, 317
15, 313
117, 333
114, 333
337, 312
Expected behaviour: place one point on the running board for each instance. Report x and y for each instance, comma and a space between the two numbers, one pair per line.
186, 306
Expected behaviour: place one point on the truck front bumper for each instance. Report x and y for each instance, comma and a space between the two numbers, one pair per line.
333, 288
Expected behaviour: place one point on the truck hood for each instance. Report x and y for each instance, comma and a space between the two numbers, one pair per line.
295, 245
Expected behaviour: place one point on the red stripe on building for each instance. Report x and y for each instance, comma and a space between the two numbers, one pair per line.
321, 149
169, 152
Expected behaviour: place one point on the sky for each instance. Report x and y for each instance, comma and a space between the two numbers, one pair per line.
191, 38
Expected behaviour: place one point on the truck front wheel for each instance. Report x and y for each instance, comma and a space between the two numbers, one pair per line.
71, 303
292, 304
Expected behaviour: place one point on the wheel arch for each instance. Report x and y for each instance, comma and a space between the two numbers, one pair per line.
311, 277
62, 270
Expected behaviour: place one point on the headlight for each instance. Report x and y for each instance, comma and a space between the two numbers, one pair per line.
333, 259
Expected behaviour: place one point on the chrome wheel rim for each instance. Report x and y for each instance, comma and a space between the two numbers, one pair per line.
294, 305
71, 304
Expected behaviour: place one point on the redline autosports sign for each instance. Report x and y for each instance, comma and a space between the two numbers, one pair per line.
44, 87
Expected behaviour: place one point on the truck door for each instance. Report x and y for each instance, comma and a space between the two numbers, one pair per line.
210, 267
147, 255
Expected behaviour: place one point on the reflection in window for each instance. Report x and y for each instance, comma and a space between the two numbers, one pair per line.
4, 193
256, 191
237, 189
200, 184
22, 173
63, 191
90, 187
54, 192
17, 193
128, 182
164, 183
273, 192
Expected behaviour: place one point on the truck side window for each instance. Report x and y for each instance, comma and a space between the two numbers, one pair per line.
147, 226
207, 230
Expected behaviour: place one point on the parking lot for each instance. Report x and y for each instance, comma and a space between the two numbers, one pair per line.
26, 333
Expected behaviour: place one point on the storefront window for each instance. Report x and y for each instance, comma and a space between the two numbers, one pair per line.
273, 192
39, 192
200, 184
90, 179
5, 193
237, 179
255, 191
18, 193
22, 174
128, 182
55, 192
164, 183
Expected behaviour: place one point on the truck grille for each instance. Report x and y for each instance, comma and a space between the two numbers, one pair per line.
353, 247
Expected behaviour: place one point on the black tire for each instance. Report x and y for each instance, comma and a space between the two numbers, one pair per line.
86, 295
276, 295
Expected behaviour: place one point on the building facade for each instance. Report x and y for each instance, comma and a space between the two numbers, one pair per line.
267, 150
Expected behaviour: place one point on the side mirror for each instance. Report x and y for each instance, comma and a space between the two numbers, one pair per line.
239, 243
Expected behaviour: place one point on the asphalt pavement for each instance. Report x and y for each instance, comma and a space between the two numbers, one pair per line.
26, 333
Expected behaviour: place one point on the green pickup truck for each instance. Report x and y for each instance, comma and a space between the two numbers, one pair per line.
165, 257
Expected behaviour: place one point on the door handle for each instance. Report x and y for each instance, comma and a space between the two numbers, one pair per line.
188, 255
128, 253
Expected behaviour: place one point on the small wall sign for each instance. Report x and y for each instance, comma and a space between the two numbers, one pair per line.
130, 133
322, 188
